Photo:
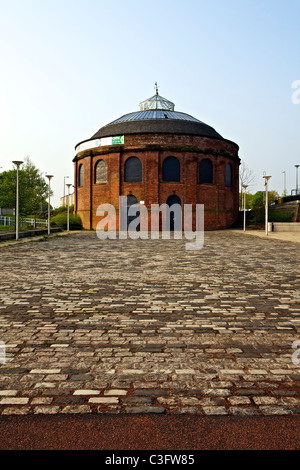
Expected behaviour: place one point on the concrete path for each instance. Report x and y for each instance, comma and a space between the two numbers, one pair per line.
127, 327
284, 236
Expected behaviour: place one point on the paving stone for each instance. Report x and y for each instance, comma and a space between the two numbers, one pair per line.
42, 401
137, 400
239, 400
215, 410
104, 400
265, 400
274, 410
46, 410
14, 401
76, 409
221, 392
203, 332
145, 409
243, 411
82, 377
69, 400
115, 392
8, 393
150, 392
249, 391
16, 410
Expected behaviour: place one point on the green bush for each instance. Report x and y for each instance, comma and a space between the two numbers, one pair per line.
61, 221
273, 216
62, 209
277, 216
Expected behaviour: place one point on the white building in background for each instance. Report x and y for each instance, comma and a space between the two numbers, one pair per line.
64, 200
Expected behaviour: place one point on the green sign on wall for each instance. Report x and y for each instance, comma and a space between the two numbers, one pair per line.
119, 140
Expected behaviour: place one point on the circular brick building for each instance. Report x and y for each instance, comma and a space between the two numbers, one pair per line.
155, 156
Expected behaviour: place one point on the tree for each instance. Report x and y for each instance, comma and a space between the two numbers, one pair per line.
248, 200
246, 177
33, 188
258, 199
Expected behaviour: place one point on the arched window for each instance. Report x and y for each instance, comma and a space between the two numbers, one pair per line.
101, 172
171, 169
133, 170
81, 175
206, 171
228, 175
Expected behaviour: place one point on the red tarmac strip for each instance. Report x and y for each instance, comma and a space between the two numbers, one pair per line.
149, 432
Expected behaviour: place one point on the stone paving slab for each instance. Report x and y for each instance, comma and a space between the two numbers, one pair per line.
285, 236
145, 326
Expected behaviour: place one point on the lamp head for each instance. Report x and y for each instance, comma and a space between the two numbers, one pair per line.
17, 163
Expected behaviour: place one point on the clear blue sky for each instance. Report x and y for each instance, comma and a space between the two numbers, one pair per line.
68, 67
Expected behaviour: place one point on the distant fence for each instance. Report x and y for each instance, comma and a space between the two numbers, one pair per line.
24, 221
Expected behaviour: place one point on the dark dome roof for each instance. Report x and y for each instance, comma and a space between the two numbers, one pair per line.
157, 115
157, 121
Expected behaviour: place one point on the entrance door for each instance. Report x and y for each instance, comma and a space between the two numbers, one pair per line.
174, 222
131, 200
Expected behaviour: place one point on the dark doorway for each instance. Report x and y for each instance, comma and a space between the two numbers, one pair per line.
131, 200
174, 222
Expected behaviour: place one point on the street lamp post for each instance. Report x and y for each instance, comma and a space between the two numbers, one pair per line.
49, 179
68, 220
267, 203
284, 183
245, 186
65, 187
297, 166
18, 164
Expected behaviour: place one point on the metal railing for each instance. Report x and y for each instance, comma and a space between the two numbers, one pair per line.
10, 221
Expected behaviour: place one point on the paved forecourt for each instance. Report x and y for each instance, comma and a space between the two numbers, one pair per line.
145, 326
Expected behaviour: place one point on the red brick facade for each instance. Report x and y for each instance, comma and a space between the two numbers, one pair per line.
220, 201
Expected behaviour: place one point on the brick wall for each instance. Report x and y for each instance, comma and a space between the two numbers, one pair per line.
220, 202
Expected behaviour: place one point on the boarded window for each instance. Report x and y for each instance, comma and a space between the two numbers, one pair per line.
81, 175
101, 172
228, 175
171, 169
133, 170
206, 171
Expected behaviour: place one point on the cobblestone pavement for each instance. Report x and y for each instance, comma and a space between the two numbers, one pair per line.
145, 326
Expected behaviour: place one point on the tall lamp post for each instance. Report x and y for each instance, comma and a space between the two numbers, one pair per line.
297, 166
244, 186
267, 202
68, 220
49, 179
65, 187
284, 183
18, 164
